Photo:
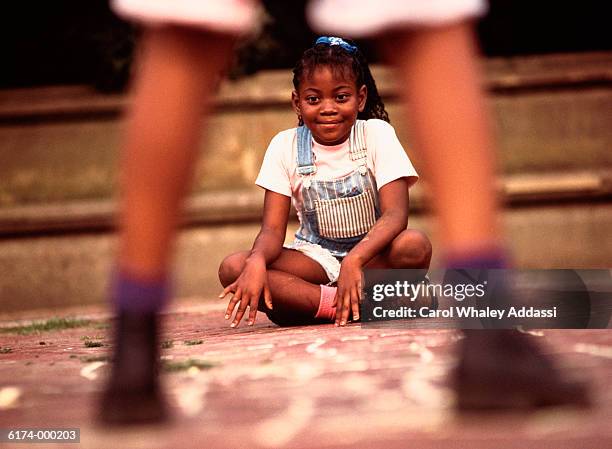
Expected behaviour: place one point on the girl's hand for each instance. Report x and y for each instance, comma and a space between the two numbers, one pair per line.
348, 294
247, 290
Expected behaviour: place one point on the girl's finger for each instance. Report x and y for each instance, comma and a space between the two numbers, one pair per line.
338, 305
230, 288
267, 297
240, 313
346, 307
232, 304
252, 310
355, 305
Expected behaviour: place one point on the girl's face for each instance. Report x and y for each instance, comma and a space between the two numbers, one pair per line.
328, 104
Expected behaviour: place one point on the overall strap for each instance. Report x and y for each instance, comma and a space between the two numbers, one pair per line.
357, 141
305, 163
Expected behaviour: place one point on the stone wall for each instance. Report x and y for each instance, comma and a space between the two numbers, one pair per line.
58, 154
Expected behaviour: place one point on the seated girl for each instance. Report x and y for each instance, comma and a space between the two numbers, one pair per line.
348, 177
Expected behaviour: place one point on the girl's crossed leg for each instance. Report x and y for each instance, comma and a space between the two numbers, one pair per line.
295, 279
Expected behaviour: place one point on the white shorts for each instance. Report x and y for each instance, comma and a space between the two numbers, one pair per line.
323, 257
365, 18
352, 18
228, 16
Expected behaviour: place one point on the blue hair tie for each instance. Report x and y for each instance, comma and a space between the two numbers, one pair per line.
332, 40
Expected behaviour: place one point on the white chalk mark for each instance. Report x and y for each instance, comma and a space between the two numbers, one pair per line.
191, 398
530, 332
281, 429
392, 334
355, 338
417, 386
193, 371
596, 350
9, 397
306, 371
312, 347
89, 371
260, 347
425, 354
326, 353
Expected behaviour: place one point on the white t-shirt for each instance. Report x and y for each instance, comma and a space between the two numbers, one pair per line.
386, 159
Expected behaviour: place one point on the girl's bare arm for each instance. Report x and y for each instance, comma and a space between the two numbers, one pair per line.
394, 219
269, 242
252, 282
394, 200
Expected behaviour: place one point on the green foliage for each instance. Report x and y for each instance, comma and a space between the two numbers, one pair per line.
95, 358
184, 365
52, 324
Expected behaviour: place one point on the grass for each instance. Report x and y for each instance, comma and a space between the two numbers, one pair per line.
95, 358
193, 342
167, 365
184, 365
45, 326
90, 342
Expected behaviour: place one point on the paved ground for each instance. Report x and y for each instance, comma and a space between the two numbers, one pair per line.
302, 387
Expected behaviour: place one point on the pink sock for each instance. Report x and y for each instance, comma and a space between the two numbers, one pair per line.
326, 310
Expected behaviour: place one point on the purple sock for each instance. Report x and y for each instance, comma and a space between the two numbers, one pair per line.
130, 294
493, 258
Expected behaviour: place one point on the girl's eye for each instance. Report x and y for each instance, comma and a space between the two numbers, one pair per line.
311, 99
342, 97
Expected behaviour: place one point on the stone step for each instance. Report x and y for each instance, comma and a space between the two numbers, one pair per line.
56, 270
502, 75
61, 254
215, 208
60, 143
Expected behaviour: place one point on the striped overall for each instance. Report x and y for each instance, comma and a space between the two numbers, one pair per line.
336, 213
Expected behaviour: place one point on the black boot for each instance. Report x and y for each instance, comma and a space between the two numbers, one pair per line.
505, 369
133, 394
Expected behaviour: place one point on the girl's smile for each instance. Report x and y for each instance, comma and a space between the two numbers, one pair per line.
328, 104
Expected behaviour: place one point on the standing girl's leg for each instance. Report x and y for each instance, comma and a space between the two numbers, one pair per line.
173, 86
451, 127
173, 89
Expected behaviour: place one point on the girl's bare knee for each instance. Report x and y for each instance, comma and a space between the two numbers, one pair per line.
411, 249
231, 267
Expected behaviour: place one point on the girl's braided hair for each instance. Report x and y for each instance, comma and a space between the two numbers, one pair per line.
349, 64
